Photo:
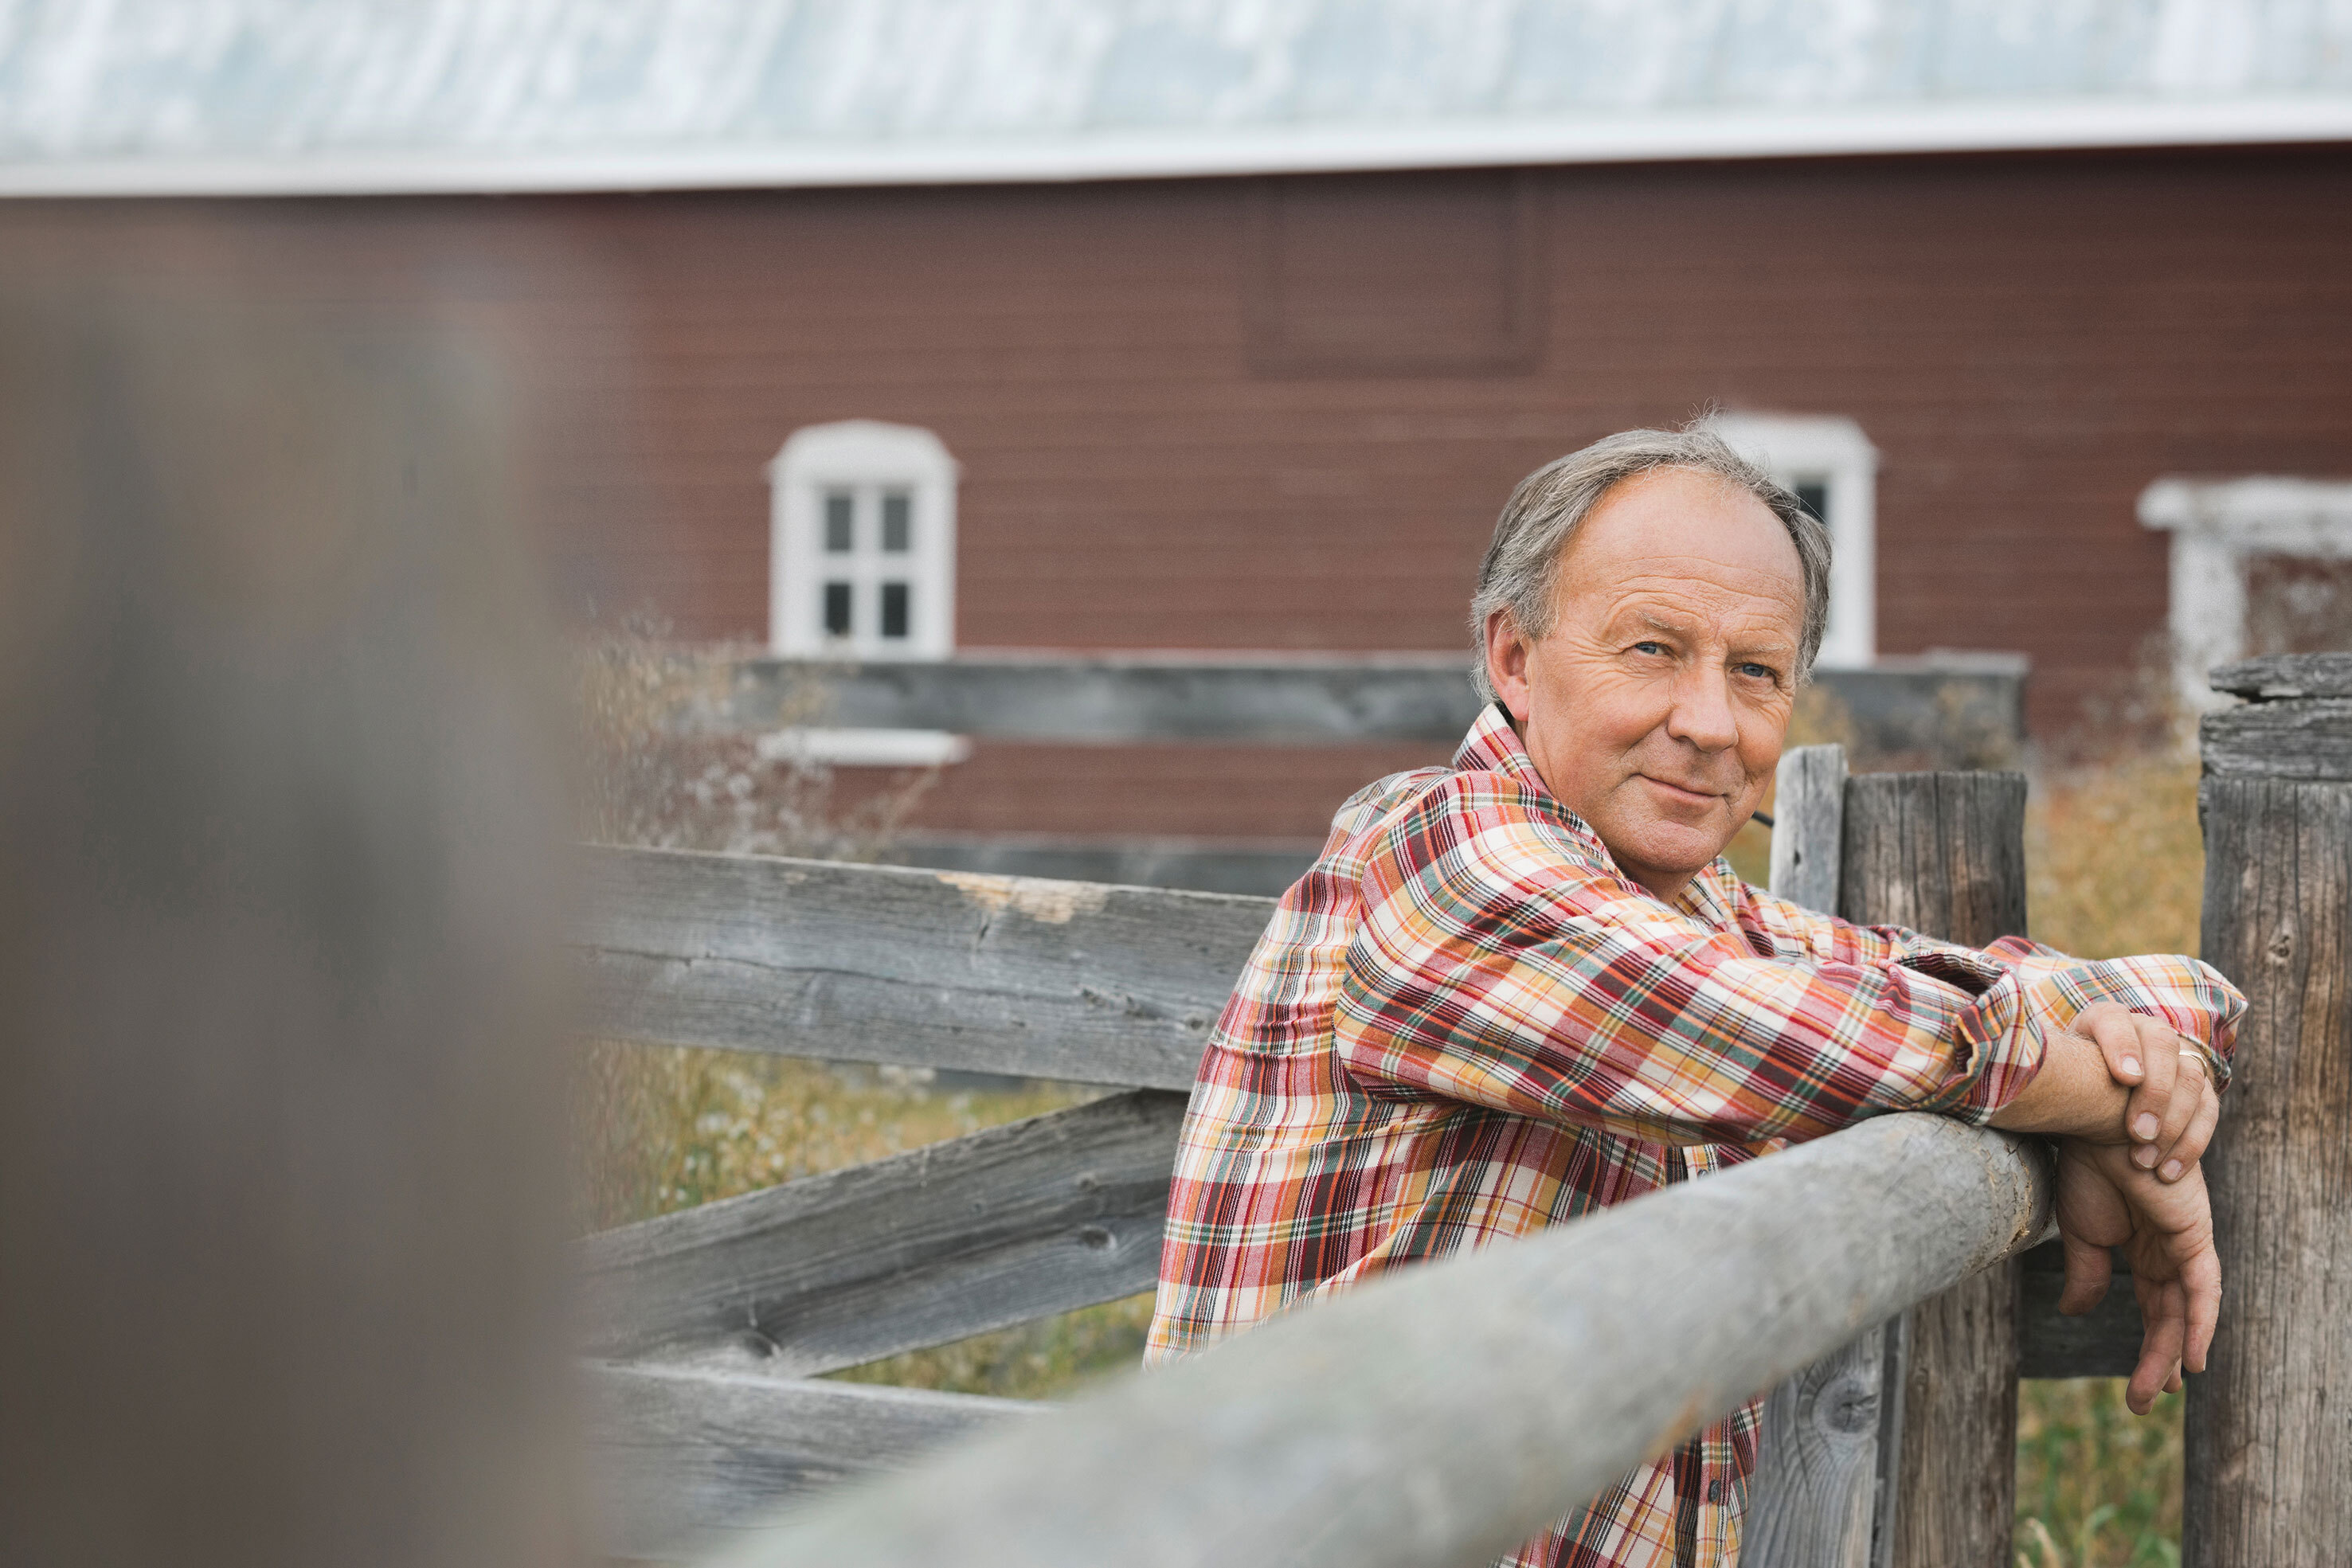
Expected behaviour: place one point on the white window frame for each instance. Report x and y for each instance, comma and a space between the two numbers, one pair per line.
2217, 523
866, 457
1796, 447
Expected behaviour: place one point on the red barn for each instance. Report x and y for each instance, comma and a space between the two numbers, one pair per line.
908, 331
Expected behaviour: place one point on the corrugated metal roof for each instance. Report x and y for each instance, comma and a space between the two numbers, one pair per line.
422, 94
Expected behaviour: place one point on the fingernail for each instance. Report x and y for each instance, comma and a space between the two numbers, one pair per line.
2171, 1171
2130, 1064
2146, 1126
2144, 1157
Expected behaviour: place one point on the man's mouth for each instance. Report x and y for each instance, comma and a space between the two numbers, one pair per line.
1684, 791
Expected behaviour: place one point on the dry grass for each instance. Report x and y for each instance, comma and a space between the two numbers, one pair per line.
660, 1129
2114, 861
665, 1128
2116, 864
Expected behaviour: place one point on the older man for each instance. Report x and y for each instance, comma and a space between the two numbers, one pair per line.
1524, 987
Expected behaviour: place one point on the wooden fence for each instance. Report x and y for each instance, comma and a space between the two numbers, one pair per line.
709, 1320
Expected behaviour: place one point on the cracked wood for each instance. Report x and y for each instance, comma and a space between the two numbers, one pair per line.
1014, 1223
1015, 974
685, 1457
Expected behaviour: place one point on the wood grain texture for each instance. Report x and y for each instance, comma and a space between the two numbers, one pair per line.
1809, 817
2275, 676
1944, 853
1017, 1222
1816, 1487
1046, 979
2102, 1342
2269, 1449
1516, 1382
683, 1457
1814, 1492
2309, 740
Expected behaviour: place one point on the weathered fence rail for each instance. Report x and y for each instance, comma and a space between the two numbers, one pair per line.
1012, 975
1018, 1222
709, 1320
1279, 1449
1945, 709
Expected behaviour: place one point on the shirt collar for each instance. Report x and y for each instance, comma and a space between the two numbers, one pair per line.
1493, 746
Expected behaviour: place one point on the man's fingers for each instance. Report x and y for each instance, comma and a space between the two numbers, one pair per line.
2161, 1067
2110, 1029
2089, 1271
2163, 1322
2200, 1282
2189, 1148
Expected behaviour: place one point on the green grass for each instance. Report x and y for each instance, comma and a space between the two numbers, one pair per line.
2097, 1487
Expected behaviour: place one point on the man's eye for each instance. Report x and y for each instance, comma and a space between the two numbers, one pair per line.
1759, 672
1649, 647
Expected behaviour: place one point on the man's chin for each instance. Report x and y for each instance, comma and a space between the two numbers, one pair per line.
1669, 850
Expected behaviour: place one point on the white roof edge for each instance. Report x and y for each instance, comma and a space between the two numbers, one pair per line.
1981, 126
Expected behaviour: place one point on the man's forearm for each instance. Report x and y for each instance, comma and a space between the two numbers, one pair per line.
2072, 1095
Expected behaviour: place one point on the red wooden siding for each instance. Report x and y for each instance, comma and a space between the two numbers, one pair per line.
2028, 339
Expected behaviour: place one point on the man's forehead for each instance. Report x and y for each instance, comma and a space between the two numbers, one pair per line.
1758, 624
1683, 535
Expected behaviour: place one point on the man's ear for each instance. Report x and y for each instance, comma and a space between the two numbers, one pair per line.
1506, 662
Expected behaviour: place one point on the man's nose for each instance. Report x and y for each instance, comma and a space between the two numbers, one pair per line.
1702, 715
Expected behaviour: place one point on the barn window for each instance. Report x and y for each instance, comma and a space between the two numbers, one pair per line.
862, 543
861, 565
1833, 469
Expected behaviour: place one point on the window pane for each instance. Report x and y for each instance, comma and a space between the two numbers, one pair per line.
838, 505
1815, 494
898, 521
894, 609
836, 608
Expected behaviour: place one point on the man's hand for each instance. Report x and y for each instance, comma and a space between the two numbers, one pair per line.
2117, 1077
2166, 1230
2173, 1106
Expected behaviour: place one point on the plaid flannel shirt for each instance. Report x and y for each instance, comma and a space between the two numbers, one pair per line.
1464, 1023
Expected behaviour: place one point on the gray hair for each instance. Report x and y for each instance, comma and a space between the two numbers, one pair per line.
1521, 569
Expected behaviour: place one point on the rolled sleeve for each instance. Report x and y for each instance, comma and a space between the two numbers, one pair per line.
1495, 963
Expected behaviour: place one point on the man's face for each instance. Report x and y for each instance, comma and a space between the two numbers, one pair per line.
1655, 707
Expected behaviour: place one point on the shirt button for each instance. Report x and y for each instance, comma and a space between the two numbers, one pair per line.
1714, 1491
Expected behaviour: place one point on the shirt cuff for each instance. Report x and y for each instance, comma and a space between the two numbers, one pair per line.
2189, 998
2010, 1036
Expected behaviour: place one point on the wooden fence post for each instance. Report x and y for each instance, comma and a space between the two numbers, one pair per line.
1944, 853
2269, 1438
1901, 1448
1819, 1466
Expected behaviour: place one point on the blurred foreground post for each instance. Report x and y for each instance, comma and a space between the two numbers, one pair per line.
2269, 1440
279, 1107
